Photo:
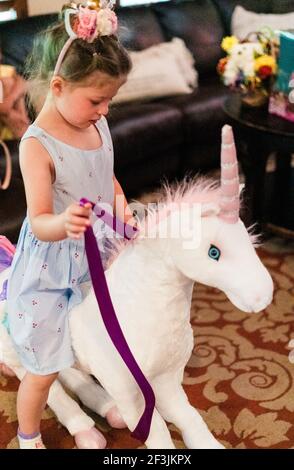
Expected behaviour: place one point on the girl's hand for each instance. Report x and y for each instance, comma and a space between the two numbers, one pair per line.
77, 220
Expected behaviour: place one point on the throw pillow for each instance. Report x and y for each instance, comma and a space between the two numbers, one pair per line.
162, 70
245, 22
184, 57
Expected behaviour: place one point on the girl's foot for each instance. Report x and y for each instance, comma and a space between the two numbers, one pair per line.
30, 441
5, 370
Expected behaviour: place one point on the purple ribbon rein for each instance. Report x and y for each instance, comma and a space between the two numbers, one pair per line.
109, 318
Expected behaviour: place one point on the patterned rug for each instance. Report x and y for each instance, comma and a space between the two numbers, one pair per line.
239, 377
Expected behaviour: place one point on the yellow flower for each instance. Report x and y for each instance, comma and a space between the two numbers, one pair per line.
265, 61
228, 42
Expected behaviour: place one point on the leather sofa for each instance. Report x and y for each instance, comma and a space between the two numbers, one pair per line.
166, 137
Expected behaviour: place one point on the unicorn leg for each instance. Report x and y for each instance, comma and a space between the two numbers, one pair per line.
172, 403
99, 400
92, 395
131, 407
78, 423
159, 436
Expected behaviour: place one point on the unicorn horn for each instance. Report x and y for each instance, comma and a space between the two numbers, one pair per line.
229, 198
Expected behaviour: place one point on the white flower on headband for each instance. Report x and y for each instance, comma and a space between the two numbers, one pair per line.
107, 3
106, 22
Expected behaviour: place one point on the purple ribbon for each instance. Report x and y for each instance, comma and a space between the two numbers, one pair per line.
110, 320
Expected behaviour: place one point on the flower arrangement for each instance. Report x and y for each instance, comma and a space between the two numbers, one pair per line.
250, 65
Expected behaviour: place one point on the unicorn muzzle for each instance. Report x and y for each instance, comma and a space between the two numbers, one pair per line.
257, 298
260, 303
262, 297
256, 305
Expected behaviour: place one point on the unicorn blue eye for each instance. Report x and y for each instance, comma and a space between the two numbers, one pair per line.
214, 252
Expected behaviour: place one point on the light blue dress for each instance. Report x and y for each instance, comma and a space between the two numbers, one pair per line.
46, 276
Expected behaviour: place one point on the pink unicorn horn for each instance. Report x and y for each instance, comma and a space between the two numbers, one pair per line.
229, 198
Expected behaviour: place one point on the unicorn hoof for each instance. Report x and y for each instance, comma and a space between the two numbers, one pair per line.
5, 370
91, 439
114, 418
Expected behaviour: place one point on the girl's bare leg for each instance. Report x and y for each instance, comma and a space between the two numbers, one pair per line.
31, 400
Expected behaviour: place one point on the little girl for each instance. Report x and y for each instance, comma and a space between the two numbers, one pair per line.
66, 154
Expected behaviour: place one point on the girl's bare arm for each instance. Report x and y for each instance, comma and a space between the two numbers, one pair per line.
37, 175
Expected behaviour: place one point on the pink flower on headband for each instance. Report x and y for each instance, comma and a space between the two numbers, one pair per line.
113, 19
87, 23
106, 22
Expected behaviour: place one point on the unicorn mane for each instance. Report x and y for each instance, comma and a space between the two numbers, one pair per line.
198, 189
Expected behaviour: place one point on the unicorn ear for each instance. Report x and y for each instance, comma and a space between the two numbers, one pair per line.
209, 209
241, 187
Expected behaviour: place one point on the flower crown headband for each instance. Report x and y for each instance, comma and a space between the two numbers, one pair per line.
92, 20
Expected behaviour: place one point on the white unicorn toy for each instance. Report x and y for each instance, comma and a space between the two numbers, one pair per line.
150, 282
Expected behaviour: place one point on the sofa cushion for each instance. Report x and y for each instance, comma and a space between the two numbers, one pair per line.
16, 38
199, 25
282, 6
245, 22
141, 131
138, 27
226, 8
202, 110
203, 115
150, 173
